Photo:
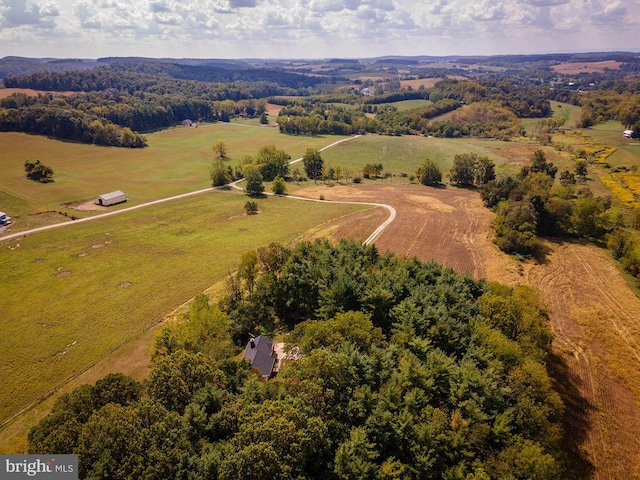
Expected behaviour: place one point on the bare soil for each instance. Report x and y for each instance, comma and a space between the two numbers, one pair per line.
594, 314
89, 206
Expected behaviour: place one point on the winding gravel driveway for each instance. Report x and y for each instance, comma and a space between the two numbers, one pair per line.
371, 239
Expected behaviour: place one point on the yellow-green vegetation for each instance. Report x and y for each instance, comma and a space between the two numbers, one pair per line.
631, 181
583, 145
619, 189
176, 161
627, 150
73, 294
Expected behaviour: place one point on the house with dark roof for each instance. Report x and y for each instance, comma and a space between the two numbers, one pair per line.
260, 354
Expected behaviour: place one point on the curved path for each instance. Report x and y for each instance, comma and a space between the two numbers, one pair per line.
372, 237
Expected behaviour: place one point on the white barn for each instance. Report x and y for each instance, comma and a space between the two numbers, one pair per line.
111, 198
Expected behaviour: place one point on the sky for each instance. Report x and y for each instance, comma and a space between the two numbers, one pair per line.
313, 28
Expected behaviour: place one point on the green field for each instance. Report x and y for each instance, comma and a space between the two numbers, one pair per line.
570, 114
73, 294
628, 149
406, 104
176, 161
406, 154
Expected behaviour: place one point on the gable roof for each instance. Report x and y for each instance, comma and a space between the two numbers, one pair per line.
112, 195
259, 352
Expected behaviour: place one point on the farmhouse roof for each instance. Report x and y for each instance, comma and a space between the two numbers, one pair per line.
259, 352
111, 195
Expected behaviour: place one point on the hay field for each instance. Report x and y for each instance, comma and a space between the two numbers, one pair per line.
74, 294
176, 161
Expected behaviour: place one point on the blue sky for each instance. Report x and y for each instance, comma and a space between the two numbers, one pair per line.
313, 28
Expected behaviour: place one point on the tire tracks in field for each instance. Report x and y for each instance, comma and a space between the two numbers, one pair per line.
612, 307
572, 284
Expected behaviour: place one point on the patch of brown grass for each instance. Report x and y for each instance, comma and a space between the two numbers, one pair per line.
5, 92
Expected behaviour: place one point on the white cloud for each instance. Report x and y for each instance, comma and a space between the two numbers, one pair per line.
21, 12
307, 28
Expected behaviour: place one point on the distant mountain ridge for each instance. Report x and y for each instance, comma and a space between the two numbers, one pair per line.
212, 69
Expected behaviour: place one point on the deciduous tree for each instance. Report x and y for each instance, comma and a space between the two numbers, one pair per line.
429, 173
313, 163
253, 178
220, 150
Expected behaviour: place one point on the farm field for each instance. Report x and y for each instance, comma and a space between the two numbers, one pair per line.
176, 161
406, 154
570, 114
594, 314
73, 295
140, 274
575, 68
416, 83
406, 104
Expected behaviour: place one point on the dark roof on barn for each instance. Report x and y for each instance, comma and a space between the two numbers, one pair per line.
261, 355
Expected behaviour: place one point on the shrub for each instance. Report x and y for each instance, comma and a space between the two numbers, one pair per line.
279, 186
38, 171
251, 207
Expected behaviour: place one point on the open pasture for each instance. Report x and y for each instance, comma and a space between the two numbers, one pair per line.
406, 104
406, 154
570, 114
176, 161
73, 294
416, 83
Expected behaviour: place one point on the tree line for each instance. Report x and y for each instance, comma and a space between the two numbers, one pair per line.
135, 76
402, 370
531, 205
112, 117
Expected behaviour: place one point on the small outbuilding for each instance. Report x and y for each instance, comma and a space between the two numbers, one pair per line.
627, 133
111, 198
260, 353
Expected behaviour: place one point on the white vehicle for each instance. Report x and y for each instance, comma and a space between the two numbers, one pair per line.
4, 219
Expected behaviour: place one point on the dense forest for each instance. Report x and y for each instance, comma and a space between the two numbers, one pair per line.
396, 369
113, 104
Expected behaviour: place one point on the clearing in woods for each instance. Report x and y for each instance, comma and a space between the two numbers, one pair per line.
594, 314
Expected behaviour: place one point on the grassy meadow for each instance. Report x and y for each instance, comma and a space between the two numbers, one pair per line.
406, 104
406, 154
73, 294
570, 114
176, 161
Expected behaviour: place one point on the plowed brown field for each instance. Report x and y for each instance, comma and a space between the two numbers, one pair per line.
594, 314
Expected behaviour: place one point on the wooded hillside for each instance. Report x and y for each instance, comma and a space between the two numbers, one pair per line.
400, 370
